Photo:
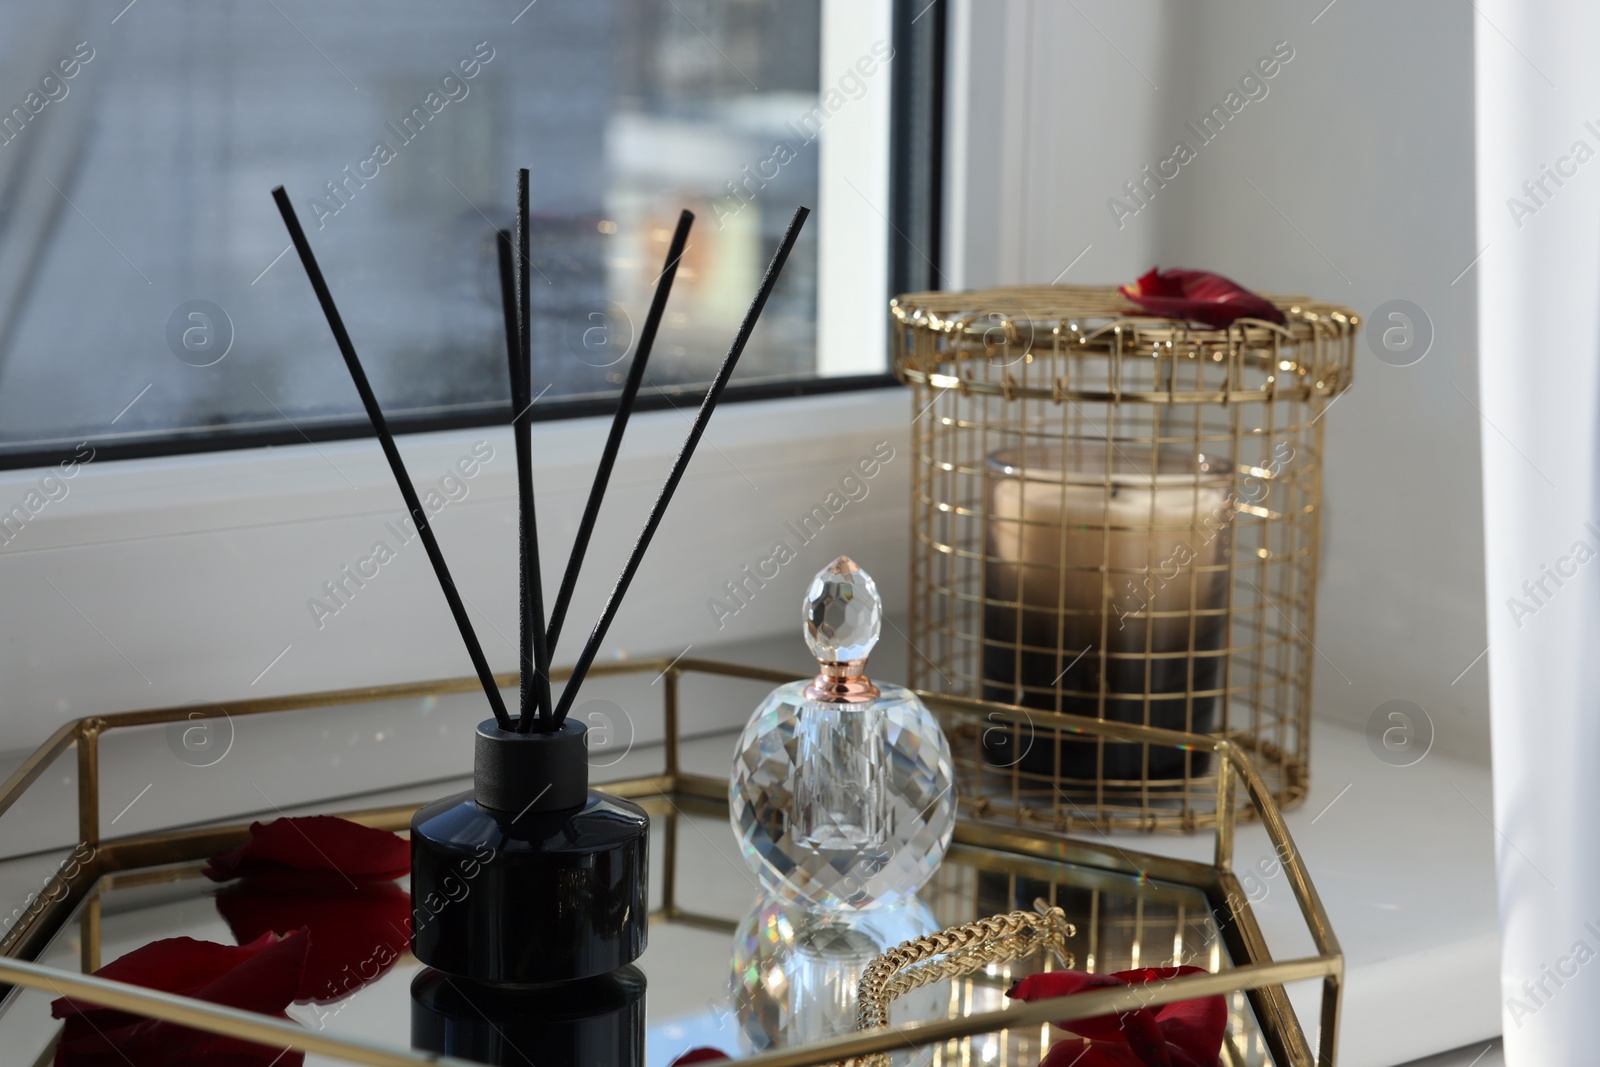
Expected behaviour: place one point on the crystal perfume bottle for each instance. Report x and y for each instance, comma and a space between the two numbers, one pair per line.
842, 794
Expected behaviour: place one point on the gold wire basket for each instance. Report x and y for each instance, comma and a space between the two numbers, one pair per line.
1128, 906
1115, 516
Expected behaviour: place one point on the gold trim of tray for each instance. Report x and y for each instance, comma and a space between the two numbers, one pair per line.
1255, 972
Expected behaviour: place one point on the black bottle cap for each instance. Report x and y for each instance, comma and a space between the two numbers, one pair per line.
522, 772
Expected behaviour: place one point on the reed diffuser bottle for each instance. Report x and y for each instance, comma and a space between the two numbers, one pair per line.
842, 794
530, 890
558, 869
530, 904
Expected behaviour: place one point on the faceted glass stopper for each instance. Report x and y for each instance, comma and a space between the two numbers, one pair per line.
842, 613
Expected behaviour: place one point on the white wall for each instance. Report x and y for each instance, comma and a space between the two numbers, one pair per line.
1044, 118
1362, 158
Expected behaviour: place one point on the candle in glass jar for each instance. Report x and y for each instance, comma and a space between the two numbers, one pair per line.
1103, 555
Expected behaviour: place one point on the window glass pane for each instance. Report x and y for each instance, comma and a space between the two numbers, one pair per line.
138, 239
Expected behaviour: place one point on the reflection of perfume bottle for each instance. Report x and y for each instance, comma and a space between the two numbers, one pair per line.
795, 972
842, 793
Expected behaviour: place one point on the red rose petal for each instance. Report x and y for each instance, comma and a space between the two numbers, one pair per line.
267, 981
261, 976
1199, 296
1195, 1026
1089, 1054
316, 843
1186, 1033
1064, 983
1146, 1041
181, 965
155, 1044
357, 931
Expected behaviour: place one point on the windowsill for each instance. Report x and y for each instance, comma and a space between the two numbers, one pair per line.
1405, 868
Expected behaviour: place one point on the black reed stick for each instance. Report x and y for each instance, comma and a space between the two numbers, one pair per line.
519, 398
396, 464
619, 423
707, 407
511, 309
535, 689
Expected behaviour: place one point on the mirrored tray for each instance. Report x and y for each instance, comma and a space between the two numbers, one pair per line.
725, 967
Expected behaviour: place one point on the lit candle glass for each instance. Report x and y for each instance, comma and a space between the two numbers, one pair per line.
1101, 572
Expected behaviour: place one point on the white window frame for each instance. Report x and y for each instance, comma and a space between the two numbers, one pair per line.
186, 579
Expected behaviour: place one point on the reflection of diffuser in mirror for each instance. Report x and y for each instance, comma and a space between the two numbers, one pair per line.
795, 972
598, 1021
1106, 572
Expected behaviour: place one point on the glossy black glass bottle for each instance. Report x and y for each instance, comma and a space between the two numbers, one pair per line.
530, 877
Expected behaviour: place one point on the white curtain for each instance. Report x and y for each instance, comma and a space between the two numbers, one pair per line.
1538, 174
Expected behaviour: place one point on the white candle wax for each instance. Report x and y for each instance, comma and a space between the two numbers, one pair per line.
1092, 552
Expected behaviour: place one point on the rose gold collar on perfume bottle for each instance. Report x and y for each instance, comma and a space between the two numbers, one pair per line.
842, 683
